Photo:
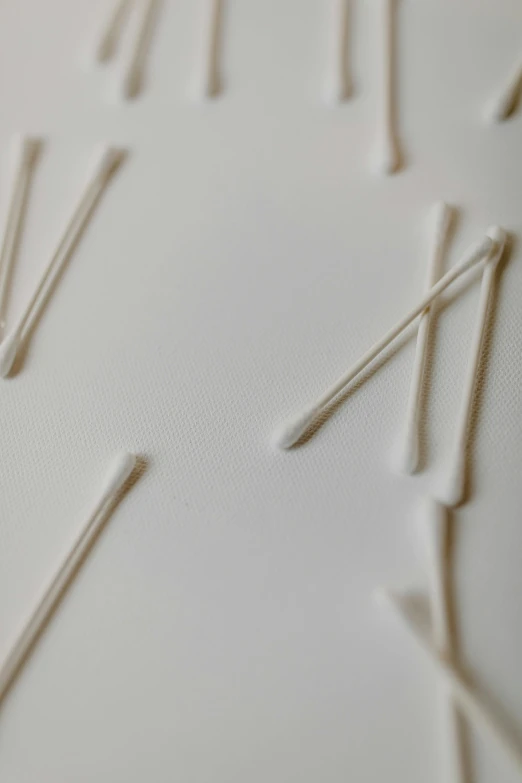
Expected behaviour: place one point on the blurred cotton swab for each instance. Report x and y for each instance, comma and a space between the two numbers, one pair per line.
437, 522
388, 158
134, 64
114, 482
106, 166
504, 103
337, 85
456, 486
209, 81
26, 152
111, 34
410, 457
467, 699
291, 432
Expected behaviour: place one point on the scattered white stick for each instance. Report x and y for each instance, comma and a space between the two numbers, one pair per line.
388, 153
410, 457
109, 161
119, 473
112, 32
293, 430
455, 490
210, 82
438, 522
468, 701
337, 87
132, 79
504, 103
26, 151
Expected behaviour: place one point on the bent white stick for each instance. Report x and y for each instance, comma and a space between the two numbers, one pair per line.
112, 31
337, 86
117, 476
504, 103
456, 486
293, 430
27, 149
469, 702
108, 163
437, 522
210, 82
388, 153
410, 455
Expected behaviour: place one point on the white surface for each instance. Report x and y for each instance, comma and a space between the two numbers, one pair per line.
223, 628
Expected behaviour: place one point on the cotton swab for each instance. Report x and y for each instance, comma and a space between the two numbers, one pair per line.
410, 458
109, 161
293, 430
337, 87
504, 103
111, 34
468, 701
437, 531
210, 82
117, 476
388, 153
27, 149
455, 490
133, 70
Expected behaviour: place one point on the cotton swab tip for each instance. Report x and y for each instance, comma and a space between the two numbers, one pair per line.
456, 486
410, 456
388, 160
499, 237
288, 435
8, 350
109, 160
119, 472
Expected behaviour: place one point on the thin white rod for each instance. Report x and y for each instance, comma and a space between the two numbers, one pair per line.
112, 31
118, 474
337, 84
210, 82
504, 103
388, 153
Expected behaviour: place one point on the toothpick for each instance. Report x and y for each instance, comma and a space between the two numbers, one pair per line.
132, 79
112, 32
118, 474
337, 87
410, 457
388, 153
472, 706
504, 103
106, 166
210, 82
26, 151
437, 532
455, 490
292, 431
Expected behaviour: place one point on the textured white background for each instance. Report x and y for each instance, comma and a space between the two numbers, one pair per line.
223, 629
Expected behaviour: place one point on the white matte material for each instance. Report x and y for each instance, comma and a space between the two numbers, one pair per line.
442, 215
454, 492
118, 474
469, 702
26, 151
106, 166
290, 433
504, 103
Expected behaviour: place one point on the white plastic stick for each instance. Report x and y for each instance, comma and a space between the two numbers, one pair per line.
337, 86
455, 490
437, 522
293, 430
132, 79
388, 153
118, 474
107, 164
210, 82
410, 456
504, 103
469, 702
111, 34
26, 150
